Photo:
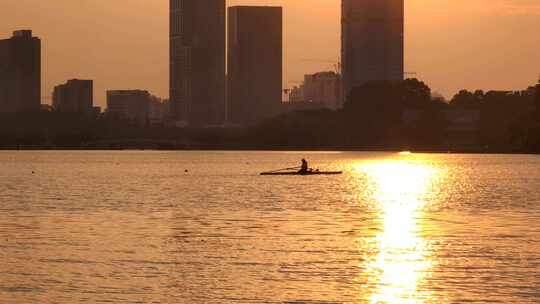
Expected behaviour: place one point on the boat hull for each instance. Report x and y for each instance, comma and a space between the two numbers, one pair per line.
302, 174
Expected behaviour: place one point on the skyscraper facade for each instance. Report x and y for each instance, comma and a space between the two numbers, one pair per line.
20, 73
197, 62
255, 65
372, 42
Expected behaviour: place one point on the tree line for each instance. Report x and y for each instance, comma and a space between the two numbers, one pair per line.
379, 115
405, 115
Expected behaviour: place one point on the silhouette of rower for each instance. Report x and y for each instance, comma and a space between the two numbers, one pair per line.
305, 167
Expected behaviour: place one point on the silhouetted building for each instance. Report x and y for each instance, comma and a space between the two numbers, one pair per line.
20, 73
296, 94
538, 101
372, 42
130, 105
324, 88
45, 108
255, 65
96, 111
158, 111
75, 96
197, 62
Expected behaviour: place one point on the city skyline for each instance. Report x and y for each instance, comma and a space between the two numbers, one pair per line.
435, 46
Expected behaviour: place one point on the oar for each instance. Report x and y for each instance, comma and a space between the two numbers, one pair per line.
283, 169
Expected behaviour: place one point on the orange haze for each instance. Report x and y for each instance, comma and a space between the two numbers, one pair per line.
121, 44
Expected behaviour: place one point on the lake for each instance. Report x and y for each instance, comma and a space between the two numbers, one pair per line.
204, 227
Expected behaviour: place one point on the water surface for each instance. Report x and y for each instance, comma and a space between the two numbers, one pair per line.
203, 227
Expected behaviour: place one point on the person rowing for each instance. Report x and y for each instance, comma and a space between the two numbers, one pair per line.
304, 168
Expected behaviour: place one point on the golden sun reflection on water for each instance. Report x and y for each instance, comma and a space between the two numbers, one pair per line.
400, 262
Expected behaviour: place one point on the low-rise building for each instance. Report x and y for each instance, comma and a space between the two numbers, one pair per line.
96, 111
321, 89
75, 96
158, 111
325, 88
296, 94
130, 105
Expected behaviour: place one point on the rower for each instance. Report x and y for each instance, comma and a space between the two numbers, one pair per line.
304, 167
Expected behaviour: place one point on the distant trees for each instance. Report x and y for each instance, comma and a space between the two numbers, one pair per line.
373, 117
404, 115
414, 93
315, 128
371, 112
394, 113
47, 128
468, 100
505, 116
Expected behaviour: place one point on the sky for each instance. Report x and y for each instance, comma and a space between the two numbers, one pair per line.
123, 44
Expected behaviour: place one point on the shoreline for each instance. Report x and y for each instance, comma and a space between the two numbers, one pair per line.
261, 149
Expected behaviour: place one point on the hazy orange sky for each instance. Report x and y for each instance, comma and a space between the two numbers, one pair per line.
123, 44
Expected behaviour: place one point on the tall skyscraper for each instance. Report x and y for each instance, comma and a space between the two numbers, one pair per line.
197, 62
372, 42
75, 96
255, 65
20, 73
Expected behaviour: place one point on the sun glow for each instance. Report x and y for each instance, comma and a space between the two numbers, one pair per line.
400, 264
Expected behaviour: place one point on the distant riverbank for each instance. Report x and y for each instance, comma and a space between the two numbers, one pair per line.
210, 147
